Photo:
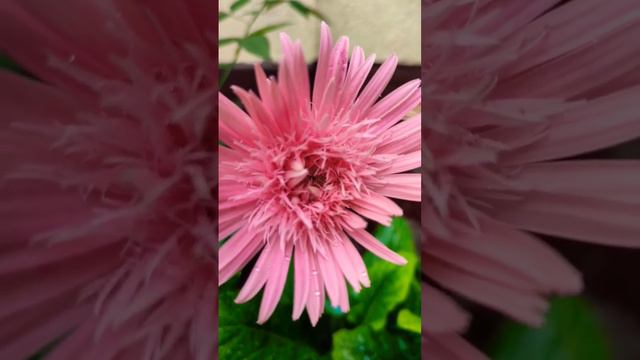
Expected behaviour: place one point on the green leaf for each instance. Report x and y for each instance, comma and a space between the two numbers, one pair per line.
398, 236
364, 343
270, 4
267, 29
304, 10
409, 321
222, 15
571, 332
239, 337
238, 4
390, 284
227, 41
257, 45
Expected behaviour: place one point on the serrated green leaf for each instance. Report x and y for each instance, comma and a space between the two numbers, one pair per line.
304, 10
390, 284
257, 45
571, 332
267, 29
409, 321
365, 343
238, 4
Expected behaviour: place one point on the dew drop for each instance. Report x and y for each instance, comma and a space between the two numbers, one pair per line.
314, 273
317, 293
364, 274
71, 58
257, 269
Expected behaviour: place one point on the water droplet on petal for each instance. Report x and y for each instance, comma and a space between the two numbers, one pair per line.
314, 273
317, 293
257, 269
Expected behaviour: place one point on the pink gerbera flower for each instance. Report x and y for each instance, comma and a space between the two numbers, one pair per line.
303, 167
511, 86
107, 166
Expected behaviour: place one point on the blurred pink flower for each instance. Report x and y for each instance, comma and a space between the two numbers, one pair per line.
107, 165
513, 89
301, 169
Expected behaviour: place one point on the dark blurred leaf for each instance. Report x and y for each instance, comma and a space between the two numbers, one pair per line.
571, 332
226, 41
238, 4
390, 283
409, 321
8, 64
365, 343
257, 45
414, 300
222, 15
267, 29
304, 10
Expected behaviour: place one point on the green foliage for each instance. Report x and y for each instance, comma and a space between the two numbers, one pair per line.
241, 338
392, 282
409, 321
383, 326
365, 343
255, 41
571, 332
257, 45
238, 4
304, 10
267, 29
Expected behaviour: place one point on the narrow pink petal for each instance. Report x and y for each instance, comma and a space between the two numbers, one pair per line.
403, 163
598, 124
573, 26
574, 217
404, 137
524, 306
237, 260
302, 276
402, 186
275, 283
234, 124
315, 298
330, 276
621, 183
521, 253
376, 247
393, 107
345, 264
357, 73
442, 312
261, 272
322, 72
376, 86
